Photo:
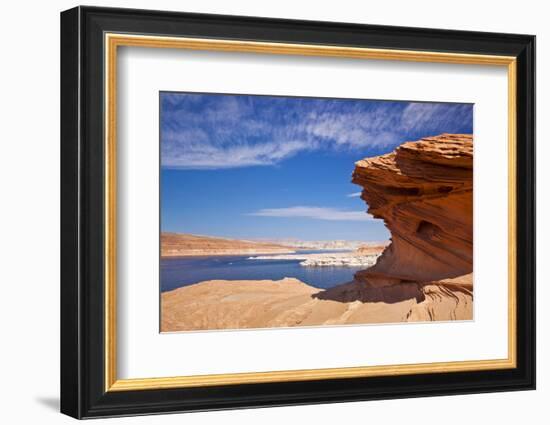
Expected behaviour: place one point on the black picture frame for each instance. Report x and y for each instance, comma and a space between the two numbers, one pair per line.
83, 392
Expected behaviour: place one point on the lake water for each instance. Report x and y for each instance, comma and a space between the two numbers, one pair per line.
178, 272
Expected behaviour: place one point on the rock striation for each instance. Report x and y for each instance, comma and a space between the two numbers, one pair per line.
187, 245
223, 304
423, 192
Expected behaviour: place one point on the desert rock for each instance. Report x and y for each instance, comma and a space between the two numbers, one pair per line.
423, 192
223, 304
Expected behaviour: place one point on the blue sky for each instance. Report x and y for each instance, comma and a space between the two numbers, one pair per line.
267, 167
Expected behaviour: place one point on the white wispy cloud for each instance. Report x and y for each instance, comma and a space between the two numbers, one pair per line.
431, 116
218, 157
318, 213
215, 131
354, 195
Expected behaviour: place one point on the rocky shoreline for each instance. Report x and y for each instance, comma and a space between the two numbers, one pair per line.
343, 259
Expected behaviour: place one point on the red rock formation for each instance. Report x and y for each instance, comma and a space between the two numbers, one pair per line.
423, 192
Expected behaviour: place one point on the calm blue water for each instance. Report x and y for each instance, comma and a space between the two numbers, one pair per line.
177, 272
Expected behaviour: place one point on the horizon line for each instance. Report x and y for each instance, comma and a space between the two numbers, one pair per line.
260, 239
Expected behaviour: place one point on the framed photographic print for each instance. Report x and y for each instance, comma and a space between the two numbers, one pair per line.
261, 212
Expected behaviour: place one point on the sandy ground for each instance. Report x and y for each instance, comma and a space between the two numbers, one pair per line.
223, 304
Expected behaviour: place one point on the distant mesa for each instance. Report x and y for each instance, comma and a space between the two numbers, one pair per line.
423, 192
336, 245
364, 255
186, 245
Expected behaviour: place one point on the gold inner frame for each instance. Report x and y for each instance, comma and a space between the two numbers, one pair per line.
113, 41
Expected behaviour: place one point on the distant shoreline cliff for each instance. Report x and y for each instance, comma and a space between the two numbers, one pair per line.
186, 245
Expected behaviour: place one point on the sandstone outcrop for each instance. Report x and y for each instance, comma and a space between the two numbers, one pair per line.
373, 248
423, 192
245, 304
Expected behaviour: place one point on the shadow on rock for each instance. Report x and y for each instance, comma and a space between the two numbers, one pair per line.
356, 291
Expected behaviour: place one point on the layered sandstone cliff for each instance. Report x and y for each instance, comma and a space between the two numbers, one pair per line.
423, 192
186, 245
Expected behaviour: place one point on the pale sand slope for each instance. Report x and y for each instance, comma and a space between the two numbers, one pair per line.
223, 304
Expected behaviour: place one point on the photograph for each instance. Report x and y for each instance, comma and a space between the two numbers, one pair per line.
285, 211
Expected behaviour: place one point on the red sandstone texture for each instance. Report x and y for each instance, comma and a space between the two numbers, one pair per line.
423, 192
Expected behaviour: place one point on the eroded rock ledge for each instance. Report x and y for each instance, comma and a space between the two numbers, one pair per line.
223, 304
423, 192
